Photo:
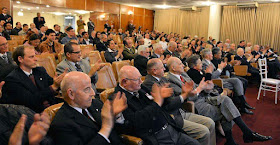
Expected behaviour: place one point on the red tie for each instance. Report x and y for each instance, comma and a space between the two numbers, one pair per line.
182, 79
31, 77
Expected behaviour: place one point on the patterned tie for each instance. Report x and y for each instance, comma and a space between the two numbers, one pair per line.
182, 79
78, 67
85, 113
5, 58
31, 77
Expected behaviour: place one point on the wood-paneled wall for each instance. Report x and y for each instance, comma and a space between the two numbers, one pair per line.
113, 12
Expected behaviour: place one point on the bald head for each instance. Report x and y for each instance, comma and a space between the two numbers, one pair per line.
130, 78
77, 90
127, 71
175, 65
172, 46
240, 51
155, 67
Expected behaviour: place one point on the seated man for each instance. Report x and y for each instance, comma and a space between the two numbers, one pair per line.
231, 83
219, 108
50, 45
9, 29
70, 36
74, 62
112, 54
7, 64
144, 116
171, 50
82, 119
28, 84
140, 61
24, 30
129, 51
196, 126
85, 39
101, 46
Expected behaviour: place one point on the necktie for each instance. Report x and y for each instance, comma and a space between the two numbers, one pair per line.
78, 67
5, 58
31, 77
85, 113
136, 94
182, 79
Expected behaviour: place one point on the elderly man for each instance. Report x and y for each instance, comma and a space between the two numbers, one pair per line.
234, 84
82, 119
101, 46
147, 40
74, 62
196, 126
140, 41
7, 64
28, 84
18, 27
144, 116
70, 35
219, 108
112, 53
171, 50
129, 51
140, 61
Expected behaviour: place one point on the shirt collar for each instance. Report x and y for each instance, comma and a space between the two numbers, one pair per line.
3, 54
110, 50
156, 78
126, 90
176, 75
27, 73
208, 61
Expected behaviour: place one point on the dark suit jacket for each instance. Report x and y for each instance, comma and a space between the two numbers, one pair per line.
12, 32
5, 67
38, 23
144, 117
171, 104
5, 34
167, 52
20, 90
2, 17
130, 28
140, 62
84, 42
71, 127
196, 76
129, 54
243, 60
110, 56
154, 56
101, 46
108, 27
216, 62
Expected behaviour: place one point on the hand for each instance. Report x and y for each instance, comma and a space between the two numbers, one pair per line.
156, 94
165, 91
187, 88
222, 65
119, 103
16, 136
209, 69
1, 85
39, 128
209, 86
237, 62
107, 119
269, 53
96, 67
257, 56
57, 79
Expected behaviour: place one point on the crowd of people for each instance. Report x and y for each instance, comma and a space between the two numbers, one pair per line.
176, 69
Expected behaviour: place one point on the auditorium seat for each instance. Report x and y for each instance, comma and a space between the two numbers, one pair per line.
255, 65
219, 82
94, 56
12, 44
117, 65
106, 78
18, 38
103, 56
47, 62
241, 70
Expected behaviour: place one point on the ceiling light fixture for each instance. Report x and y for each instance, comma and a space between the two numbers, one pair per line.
81, 12
275, 0
21, 9
102, 16
208, 3
18, 2
163, 6
37, 7
20, 13
28, 8
130, 13
47, 6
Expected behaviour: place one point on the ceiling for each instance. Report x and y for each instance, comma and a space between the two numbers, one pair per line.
165, 4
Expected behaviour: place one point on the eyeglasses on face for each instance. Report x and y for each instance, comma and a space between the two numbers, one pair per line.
139, 79
77, 52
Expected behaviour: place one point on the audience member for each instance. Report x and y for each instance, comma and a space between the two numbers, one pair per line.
107, 26
241, 44
129, 51
50, 45
101, 46
7, 64
85, 39
171, 50
140, 61
6, 17
57, 31
4, 33
18, 27
91, 26
112, 54
147, 40
130, 26
38, 21
34, 41
24, 30
9, 29
80, 23
28, 84
70, 36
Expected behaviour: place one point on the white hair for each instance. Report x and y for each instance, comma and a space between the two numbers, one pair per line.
247, 49
142, 48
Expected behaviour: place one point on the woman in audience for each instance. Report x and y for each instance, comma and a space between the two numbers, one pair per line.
163, 43
34, 41
97, 37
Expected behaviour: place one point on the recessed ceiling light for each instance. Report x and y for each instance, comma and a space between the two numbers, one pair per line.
163, 6
47, 6
37, 7
43, 12
208, 3
28, 8
81, 12
21, 9
18, 2
20, 13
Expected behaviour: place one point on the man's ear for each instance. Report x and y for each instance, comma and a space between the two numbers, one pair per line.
20, 59
70, 94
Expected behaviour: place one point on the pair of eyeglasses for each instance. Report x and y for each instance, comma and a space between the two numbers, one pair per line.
139, 79
77, 52
3, 44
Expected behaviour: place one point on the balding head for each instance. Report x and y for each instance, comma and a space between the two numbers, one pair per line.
172, 46
175, 65
3, 45
155, 67
240, 51
77, 89
130, 78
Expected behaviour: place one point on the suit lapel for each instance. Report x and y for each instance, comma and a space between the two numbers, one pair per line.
27, 82
175, 79
71, 67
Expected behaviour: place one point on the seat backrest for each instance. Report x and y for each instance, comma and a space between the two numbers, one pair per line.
132, 62
103, 56
94, 56
46, 61
241, 70
117, 65
12, 44
61, 56
106, 93
52, 110
106, 78
263, 68
218, 82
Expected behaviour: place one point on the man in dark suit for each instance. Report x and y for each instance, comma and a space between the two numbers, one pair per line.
85, 39
171, 50
7, 64
28, 84
6, 17
9, 29
101, 46
144, 116
4, 33
241, 44
196, 126
129, 51
91, 26
140, 61
82, 119
130, 27
111, 54
39, 21
18, 27
107, 26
